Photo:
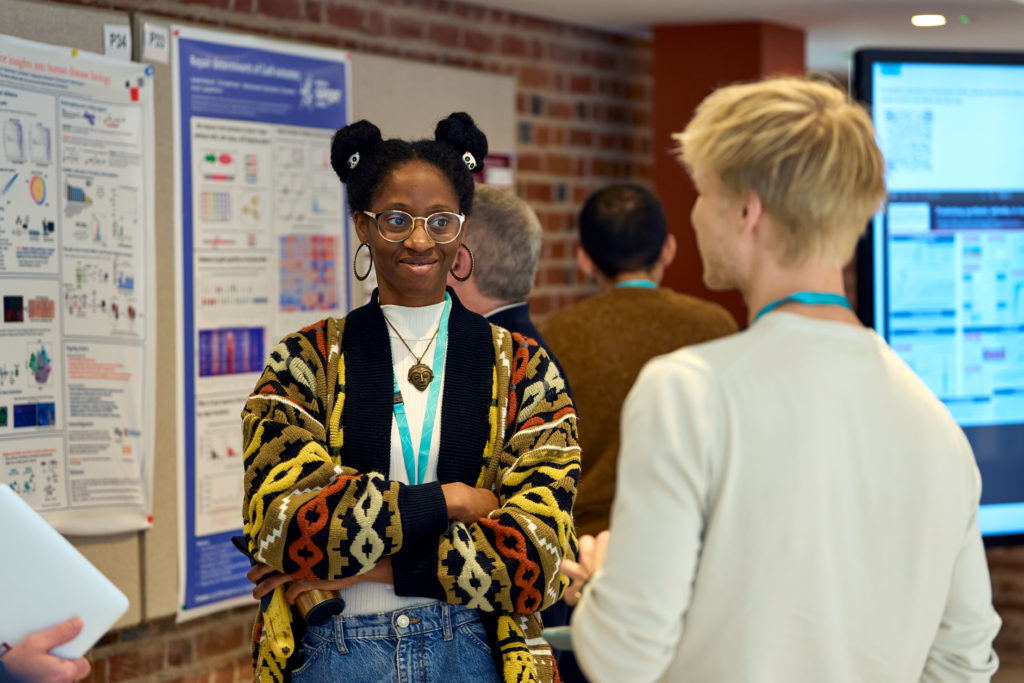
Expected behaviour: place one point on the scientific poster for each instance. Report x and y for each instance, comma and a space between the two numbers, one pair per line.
78, 330
261, 252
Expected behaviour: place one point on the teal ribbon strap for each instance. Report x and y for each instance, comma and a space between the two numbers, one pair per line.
809, 298
416, 465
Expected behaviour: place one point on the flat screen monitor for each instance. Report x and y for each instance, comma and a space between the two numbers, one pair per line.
941, 270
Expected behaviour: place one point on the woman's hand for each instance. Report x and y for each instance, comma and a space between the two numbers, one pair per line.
591, 557
466, 503
267, 579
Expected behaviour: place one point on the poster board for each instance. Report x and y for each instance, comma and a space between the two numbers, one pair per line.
144, 564
117, 556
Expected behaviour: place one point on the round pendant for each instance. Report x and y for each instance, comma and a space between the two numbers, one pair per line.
420, 376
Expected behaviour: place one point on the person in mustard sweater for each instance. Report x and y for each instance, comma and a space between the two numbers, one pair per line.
412, 456
602, 342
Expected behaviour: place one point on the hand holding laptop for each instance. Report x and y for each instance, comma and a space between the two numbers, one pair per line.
30, 660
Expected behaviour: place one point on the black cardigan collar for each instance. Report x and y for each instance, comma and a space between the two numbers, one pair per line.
465, 403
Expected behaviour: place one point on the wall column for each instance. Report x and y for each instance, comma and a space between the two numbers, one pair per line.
689, 62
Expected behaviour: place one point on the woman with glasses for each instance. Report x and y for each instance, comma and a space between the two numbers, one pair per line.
410, 455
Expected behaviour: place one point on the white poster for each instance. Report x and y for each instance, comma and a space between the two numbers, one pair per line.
261, 252
77, 337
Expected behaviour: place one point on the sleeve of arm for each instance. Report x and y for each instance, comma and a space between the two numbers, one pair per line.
962, 649
630, 620
509, 560
304, 513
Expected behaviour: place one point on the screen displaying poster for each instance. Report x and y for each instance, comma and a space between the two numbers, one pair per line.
77, 348
261, 252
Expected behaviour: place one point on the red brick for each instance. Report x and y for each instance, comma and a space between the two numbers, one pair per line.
243, 6
538, 192
536, 49
581, 84
515, 46
345, 17
447, 35
314, 11
135, 664
529, 162
317, 39
534, 77
606, 141
560, 136
580, 194
375, 24
541, 305
282, 9
563, 54
581, 138
179, 652
560, 110
220, 640
542, 135
98, 672
559, 164
406, 28
605, 60
479, 41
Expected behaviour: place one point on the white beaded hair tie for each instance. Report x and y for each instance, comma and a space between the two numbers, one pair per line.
353, 160
469, 160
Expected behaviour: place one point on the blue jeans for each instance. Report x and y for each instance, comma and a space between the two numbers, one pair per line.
438, 642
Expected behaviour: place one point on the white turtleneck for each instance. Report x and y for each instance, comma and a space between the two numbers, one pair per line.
416, 325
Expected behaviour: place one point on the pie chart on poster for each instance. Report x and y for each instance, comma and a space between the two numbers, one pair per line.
37, 188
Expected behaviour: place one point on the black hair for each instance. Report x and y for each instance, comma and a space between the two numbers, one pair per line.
363, 160
622, 228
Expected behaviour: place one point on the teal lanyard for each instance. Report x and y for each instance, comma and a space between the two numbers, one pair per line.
638, 284
416, 466
809, 298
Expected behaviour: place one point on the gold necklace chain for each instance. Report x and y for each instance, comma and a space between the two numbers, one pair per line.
420, 375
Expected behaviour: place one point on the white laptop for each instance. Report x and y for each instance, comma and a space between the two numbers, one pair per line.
45, 581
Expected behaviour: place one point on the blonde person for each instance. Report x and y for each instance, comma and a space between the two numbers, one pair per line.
413, 456
793, 504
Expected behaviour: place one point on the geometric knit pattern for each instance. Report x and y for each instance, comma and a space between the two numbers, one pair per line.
307, 514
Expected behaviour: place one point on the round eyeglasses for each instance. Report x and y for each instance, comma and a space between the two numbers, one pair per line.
396, 226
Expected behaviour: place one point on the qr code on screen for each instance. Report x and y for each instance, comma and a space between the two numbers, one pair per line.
908, 137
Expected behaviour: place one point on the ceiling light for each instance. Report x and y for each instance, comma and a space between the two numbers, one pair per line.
928, 20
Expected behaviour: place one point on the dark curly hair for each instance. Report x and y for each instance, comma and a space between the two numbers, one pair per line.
362, 159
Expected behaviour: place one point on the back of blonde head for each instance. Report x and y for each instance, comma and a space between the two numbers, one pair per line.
805, 149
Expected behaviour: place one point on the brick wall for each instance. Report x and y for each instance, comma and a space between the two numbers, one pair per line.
583, 97
583, 121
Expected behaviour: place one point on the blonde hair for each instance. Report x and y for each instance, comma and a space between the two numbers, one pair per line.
804, 148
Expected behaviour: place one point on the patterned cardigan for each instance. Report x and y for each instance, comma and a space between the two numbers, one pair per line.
317, 436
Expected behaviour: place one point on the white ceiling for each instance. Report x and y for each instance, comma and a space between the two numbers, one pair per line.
834, 28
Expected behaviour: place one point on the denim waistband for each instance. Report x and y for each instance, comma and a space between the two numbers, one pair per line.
439, 616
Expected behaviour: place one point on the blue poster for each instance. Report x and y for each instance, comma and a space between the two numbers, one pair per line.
262, 251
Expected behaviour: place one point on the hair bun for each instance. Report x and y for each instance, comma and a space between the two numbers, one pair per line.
350, 144
459, 131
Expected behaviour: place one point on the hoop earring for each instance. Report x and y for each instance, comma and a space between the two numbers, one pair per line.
472, 265
355, 258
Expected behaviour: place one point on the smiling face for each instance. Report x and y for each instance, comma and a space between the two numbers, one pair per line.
412, 272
